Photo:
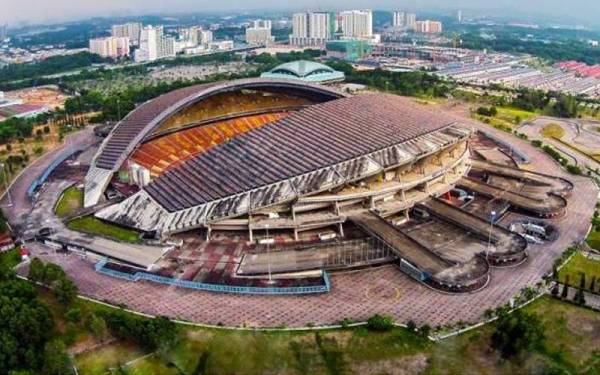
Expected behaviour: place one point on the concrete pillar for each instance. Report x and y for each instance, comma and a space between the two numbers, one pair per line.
296, 234
250, 233
341, 229
406, 214
371, 203
208, 231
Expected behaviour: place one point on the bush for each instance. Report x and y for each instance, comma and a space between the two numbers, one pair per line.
574, 169
425, 330
485, 111
516, 333
411, 326
380, 323
536, 143
73, 315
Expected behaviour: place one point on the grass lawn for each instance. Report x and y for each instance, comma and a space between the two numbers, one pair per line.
580, 264
510, 114
571, 344
69, 202
553, 130
593, 239
92, 225
113, 355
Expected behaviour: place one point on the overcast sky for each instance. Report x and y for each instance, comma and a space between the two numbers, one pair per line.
13, 11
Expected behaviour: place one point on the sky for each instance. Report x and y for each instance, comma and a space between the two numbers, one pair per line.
39, 11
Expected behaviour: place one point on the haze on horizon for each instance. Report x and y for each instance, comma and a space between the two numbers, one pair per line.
35, 11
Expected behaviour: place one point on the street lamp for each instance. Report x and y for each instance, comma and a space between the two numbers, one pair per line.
487, 250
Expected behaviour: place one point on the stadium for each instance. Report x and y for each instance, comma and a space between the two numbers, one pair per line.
331, 181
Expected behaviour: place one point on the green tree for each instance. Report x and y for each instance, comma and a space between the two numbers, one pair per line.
65, 290
98, 328
516, 333
56, 359
36, 270
25, 326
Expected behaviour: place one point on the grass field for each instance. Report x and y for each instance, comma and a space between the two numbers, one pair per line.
89, 224
578, 265
571, 345
593, 239
69, 202
510, 114
553, 130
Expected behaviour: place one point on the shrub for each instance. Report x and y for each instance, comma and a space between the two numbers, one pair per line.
73, 315
411, 326
536, 143
425, 330
380, 323
517, 333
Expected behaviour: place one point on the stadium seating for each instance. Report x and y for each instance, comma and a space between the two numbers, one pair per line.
159, 154
228, 104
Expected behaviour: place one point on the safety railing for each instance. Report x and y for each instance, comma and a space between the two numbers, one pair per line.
220, 288
40, 180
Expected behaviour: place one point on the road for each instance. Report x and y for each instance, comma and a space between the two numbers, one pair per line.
22, 205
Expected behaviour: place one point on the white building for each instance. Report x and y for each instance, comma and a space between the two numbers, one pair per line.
259, 33
131, 30
411, 20
154, 45
404, 20
221, 45
312, 28
206, 37
357, 24
112, 47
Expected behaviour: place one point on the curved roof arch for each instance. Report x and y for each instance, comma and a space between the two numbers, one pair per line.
141, 121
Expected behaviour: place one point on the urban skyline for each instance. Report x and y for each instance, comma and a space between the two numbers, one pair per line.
578, 11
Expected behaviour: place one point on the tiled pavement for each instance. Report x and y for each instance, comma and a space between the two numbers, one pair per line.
356, 295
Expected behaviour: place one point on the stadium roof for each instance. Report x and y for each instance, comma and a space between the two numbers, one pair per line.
132, 130
305, 70
316, 149
310, 139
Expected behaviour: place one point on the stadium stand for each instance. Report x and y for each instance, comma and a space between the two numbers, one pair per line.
159, 154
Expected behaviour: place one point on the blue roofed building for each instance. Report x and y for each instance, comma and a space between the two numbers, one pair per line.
304, 70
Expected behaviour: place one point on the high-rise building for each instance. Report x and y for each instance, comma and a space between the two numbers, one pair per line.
190, 36
206, 37
459, 16
3, 32
410, 21
404, 20
357, 24
428, 27
312, 28
131, 30
154, 45
112, 47
399, 19
259, 33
